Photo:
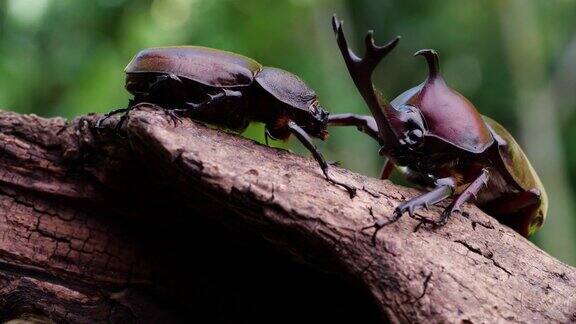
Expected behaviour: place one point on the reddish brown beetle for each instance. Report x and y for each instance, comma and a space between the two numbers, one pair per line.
227, 90
441, 142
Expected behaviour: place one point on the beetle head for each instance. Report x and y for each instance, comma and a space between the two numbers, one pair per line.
408, 125
314, 121
407, 131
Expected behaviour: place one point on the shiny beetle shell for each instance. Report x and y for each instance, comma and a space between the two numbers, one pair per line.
204, 65
438, 103
466, 129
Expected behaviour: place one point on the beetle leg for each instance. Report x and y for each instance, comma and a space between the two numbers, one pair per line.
307, 142
364, 123
163, 77
110, 114
267, 135
114, 112
467, 195
387, 170
131, 105
173, 114
444, 188
124, 117
215, 98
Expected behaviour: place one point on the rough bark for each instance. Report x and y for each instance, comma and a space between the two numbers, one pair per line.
171, 223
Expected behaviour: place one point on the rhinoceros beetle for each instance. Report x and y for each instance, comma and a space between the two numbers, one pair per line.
227, 90
440, 141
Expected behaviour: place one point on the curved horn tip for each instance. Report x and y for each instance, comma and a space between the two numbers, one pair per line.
431, 57
391, 44
395, 41
370, 37
426, 52
336, 24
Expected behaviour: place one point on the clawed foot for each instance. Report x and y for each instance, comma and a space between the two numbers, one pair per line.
410, 207
108, 115
173, 114
121, 122
122, 119
443, 218
379, 224
118, 126
334, 163
267, 136
101, 120
351, 190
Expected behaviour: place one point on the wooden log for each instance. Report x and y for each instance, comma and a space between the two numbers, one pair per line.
176, 223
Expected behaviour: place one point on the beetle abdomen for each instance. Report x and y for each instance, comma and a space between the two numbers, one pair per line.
208, 66
517, 163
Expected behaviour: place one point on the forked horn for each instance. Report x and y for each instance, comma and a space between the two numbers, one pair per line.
361, 70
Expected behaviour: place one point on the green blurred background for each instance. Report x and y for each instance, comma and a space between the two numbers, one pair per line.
515, 59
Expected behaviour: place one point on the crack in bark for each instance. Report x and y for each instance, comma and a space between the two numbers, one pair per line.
487, 255
371, 213
40, 274
488, 225
501, 267
370, 192
424, 289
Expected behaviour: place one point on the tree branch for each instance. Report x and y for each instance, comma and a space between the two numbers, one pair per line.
168, 222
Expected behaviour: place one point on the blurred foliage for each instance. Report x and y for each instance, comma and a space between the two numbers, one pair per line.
65, 58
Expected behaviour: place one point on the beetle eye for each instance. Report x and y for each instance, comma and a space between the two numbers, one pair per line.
314, 107
415, 135
413, 126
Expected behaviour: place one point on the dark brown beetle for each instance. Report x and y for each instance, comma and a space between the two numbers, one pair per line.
441, 142
228, 90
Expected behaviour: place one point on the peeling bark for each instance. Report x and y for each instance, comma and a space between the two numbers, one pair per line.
175, 223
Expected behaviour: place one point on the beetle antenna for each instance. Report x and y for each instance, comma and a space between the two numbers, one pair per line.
431, 57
